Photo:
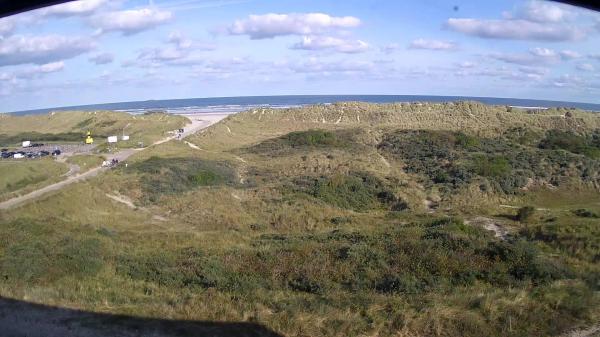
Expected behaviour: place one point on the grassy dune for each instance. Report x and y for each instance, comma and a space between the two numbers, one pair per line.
344, 220
72, 126
23, 176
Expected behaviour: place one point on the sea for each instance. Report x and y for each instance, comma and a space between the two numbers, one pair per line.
236, 104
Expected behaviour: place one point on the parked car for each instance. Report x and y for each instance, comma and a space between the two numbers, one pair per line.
44, 153
37, 144
18, 156
56, 152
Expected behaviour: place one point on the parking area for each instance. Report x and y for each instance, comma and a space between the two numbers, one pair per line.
38, 150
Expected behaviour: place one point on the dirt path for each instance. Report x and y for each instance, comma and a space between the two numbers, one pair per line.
593, 331
197, 123
495, 226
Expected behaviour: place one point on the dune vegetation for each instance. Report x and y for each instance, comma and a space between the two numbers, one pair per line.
351, 219
71, 126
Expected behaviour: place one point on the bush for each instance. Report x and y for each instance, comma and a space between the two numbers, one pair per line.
303, 284
206, 178
312, 138
495, 166
525, 214
35, 261
177, 175
569, 141
585, 213
357, 191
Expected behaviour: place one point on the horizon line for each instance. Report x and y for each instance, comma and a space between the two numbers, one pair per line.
63, 108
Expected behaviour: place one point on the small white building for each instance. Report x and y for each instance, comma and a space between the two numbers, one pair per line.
27, 143
112, 139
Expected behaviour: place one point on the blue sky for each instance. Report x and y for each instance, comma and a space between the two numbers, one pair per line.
97, 51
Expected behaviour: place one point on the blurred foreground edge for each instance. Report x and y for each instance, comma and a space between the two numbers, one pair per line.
21, 318
10, 7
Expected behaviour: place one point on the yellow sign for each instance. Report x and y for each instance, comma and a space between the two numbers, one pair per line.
89, 139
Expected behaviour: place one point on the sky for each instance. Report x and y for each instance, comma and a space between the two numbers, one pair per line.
99, 51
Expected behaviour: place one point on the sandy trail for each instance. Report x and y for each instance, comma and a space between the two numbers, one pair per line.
197, 123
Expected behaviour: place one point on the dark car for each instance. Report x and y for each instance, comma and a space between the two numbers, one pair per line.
56, 152
44, 153
37, 144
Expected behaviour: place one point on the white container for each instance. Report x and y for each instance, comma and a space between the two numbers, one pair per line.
125, 138
112, 139
27, 143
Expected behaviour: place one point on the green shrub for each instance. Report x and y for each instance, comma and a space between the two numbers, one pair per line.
525, 214
495, 166
572, 142
585, 213
312, 138
357, 191
466, 141
303, 284
206, 178
35, 261
162, 176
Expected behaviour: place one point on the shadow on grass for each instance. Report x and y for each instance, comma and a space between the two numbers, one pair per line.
507, 216
20, 319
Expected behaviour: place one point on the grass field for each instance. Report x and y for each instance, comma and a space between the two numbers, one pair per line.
22, 176
86, 162
370, 225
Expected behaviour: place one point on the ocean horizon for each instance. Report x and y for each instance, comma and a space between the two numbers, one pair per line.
241, 103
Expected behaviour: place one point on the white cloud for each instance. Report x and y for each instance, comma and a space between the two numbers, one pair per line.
5, 77
516, 29
585, 67
543, 52
80, 7
178, 39
182, 42
272, 25
129, 22
390, 48
567, 80
544, 12
534, 71
594, 56
41, 70
7, 25
467, 65
102, 58
316, 65
522, 74
51, 67
331, 43
432, 44
19, 49
569, 54
535, 56
178, 50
